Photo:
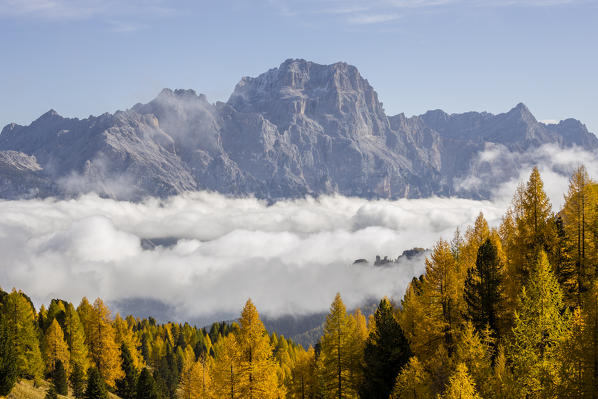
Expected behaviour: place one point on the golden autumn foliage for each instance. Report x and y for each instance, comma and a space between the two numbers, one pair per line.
55, 348
507, 312
101, 341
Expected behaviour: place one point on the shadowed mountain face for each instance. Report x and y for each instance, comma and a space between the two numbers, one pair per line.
299, 129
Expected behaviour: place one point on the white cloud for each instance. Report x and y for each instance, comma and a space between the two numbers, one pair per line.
84, 9
550, 121
365, 19
491, 170
291, 256
382, 11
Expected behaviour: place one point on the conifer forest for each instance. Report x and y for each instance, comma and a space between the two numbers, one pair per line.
501, 312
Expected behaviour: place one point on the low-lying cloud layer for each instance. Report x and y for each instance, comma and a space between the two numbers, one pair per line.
292, 256
289, 257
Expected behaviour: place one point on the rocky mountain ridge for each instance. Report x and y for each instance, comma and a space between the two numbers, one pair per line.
299, 129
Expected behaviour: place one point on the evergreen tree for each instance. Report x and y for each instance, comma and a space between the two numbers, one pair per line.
77, 379
386, 352
483, 288
8, 359
59, 378
96, 389
146, 386
126, 387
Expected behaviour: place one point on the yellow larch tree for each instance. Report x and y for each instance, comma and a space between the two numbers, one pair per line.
336, 357
101, 340
461, 385
358, 337
127, 337
578, 215
413, 382
474, 350
55, 348
303, 381
539, 328
20, 315
440, 304
225, 372
195, 378
258, 370
75, 339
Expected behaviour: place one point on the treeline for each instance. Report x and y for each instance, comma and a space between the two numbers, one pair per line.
506, 312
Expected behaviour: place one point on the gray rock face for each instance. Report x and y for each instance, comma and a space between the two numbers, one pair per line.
299, 129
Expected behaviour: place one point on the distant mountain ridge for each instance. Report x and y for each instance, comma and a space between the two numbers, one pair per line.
299, 129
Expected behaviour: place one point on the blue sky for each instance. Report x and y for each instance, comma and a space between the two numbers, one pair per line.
85, 57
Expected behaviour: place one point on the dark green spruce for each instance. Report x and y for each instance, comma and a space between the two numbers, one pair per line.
8, 361
386, 352
483, 289
96, 389
126, 387
78, 382
146, 386
59, 379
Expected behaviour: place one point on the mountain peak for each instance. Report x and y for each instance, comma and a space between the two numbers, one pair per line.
49, 116
522, 111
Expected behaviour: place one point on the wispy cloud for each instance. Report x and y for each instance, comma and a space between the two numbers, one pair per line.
119, 16
383, 11
365, 19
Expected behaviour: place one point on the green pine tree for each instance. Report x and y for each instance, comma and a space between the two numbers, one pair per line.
126, 387
8, 362
483, 289
96, 388
78, 381
146, 386
59, 378
386, 352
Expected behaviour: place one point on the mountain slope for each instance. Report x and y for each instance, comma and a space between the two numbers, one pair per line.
299, 129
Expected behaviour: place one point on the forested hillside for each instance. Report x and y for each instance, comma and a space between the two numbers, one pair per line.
505, 312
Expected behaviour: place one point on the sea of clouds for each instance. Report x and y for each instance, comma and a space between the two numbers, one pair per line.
290, 257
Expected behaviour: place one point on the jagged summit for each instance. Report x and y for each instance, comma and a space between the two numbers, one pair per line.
302, 128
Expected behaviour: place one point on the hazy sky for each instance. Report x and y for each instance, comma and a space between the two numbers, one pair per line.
84, 57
